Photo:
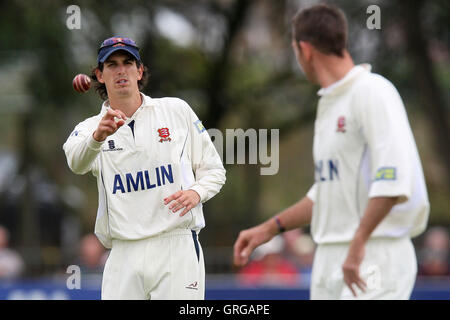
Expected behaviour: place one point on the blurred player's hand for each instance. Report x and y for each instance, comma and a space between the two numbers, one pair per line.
248, 240
109, 125
186, 199
351, 266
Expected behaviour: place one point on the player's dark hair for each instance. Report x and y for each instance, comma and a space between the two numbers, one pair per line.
323, 26
100, 88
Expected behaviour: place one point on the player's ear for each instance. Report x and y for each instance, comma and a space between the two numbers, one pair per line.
305, 50
140, 71
99, 75
294, 44
296, 47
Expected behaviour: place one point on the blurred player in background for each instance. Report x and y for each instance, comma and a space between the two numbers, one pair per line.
12, 265
155, 165
435, 253
369, 197
92, 255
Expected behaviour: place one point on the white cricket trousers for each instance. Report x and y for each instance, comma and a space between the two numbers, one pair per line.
389, 269
169, 266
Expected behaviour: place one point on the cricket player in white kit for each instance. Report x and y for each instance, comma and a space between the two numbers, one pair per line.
369, 197
155, 165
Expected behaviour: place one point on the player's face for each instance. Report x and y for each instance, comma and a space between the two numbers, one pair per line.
120, 75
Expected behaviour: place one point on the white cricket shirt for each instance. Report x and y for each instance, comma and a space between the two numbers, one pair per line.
364, 148
161, 149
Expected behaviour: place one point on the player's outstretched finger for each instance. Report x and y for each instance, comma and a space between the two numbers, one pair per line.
243, 252
111, 125
115, 115
186, 210
352, 289
121, 114
119, 118
237, 259
244, 255
120, 123
172, 197
173, 206
110, 114
361, 285
237, 249
178, 205
107, 127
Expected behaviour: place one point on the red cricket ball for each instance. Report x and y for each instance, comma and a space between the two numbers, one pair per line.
81, 83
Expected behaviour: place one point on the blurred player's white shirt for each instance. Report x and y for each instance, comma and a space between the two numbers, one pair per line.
364, 148
161, 149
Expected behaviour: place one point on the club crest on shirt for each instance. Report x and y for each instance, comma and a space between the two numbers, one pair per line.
341, 124
164, 134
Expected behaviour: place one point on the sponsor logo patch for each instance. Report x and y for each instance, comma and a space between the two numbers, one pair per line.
386, 173
199, 125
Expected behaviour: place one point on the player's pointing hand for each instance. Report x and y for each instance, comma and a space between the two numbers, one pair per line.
109, 124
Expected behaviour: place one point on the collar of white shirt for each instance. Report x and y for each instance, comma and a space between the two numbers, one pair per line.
334, 87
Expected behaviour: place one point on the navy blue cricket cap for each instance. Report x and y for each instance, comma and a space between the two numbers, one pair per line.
111, 45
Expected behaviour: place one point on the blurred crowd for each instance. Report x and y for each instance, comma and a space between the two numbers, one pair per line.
91, 257
285, 261
11, 262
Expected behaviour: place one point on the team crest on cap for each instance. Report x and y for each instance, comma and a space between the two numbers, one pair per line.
164, 134
341, 124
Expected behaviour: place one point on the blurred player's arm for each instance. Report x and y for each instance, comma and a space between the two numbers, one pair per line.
377, 209
295, 216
